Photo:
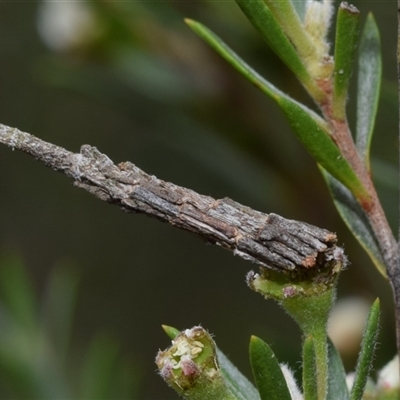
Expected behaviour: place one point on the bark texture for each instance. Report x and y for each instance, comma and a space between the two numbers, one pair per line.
265, 239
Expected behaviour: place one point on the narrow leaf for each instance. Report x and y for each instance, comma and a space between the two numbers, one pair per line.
315, 138
369, 84
290, 22
309, 370
337, 386
59, 306
368, 345
347, 27
171, 331
236, 382
354, 217
267, 372
308, 126
18, 293
101, 359
263, 20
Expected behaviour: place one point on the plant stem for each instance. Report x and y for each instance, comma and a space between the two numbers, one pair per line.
312, 313
265, 239
321, 361
390, 249
371, 205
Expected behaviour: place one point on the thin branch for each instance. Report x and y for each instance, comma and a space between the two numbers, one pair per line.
265, 239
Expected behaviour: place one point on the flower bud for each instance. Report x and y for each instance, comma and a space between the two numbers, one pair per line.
190, 366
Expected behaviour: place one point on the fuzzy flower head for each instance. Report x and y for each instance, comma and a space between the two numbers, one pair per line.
317, 20
318, 17
190, 364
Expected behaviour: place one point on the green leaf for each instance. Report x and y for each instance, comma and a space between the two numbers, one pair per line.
368, 345
96, 376
308, 126
315, 138
354, 217
263, 20
236, 382
28, 362
171, 331
312, 313
347, 28
267, 372
368, 89
238, 385
309, 370
18, 293
58, 308
290, 22
337, 386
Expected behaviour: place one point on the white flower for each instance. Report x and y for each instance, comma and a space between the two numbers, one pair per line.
65, 25
388, 378
346, 324
317, 21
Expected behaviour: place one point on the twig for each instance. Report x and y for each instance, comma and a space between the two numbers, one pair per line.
265, 239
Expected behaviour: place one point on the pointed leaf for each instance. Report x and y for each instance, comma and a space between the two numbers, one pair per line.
267, 372
290, 22
101, 359
263, 20
309, 370
59, 306
369, 84
18, 293
347, 28
337, 385
236, 382
365, 358
171, 331
308, 126
354, 217
315, 138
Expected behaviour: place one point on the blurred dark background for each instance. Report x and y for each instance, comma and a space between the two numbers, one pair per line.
132, 79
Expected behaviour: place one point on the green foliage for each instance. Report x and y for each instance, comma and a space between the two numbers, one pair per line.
312, 313
309, 370
337, 386
264, 21
347, 27
355, 218
308, 126
35, 342
267, 372
197, 370
273, 380
368, 88
365, 358
369, 81
235, 380
300, 41
236, 383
